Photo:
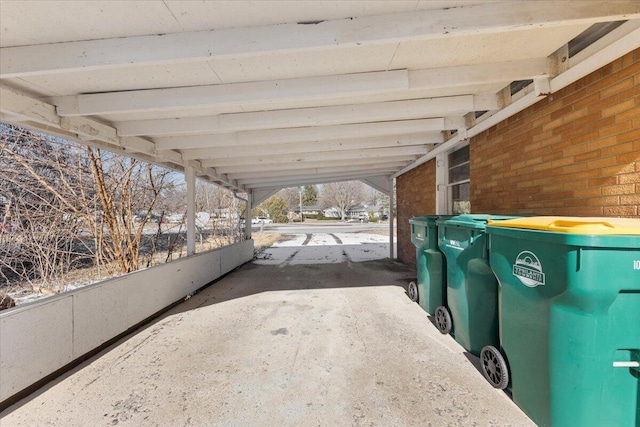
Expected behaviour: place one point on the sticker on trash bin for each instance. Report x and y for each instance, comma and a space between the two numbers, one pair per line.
528, 269
454, 244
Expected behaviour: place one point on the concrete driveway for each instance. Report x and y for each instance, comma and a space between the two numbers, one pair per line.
281, 345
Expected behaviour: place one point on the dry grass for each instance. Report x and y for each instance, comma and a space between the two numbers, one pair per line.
262, 241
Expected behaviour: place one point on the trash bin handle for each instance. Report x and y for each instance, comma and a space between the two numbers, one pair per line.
563, 224
626, 364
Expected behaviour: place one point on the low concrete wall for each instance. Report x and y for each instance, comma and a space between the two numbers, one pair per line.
39, 338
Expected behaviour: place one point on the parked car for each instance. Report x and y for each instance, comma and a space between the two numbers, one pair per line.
363, 218
175, 218
261, 219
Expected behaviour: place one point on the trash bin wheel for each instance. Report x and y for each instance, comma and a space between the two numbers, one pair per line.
443, 320
413, 291
494, 367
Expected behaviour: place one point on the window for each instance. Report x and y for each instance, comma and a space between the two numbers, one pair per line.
459, 183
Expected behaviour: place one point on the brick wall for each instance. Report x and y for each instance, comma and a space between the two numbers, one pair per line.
416, 195
576, 152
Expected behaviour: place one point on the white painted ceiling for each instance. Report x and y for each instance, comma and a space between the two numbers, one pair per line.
269, 94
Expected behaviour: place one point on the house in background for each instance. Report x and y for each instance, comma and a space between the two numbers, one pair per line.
307, 210
376, 211
331, 213
359, 210
310, 212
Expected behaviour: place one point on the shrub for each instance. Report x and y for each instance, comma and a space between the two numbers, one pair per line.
277, 208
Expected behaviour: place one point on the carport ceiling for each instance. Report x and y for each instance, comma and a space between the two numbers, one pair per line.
268, 94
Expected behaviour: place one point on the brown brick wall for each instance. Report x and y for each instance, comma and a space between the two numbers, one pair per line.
416, 194
576, 152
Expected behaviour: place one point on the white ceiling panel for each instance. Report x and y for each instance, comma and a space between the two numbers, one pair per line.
196, 16
30, 88
272, 106
82, 68
203, 112
21, 22
483, 48
305, 64
141, 77
52, 21
396, 96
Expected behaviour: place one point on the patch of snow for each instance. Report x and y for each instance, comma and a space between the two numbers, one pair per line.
298, 240
321, 239
322, 248
361, 238
25, 295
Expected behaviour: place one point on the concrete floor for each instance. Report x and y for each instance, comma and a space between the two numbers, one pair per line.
281, 345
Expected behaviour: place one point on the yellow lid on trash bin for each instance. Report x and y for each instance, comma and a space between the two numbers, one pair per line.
574, 225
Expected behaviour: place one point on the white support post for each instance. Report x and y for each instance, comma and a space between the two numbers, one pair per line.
391, 218
191, 209
247, 216
442, 204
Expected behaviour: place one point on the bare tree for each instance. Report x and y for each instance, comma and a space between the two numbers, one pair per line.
373, 196
225, 210
342, 195
124, 187
65, 206
222, 229
292, 196
70, 203
41, 228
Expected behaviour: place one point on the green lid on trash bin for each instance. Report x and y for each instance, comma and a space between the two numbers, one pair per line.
474, 221
424, 220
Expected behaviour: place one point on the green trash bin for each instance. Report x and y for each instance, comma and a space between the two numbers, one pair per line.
430, 290
472, 289
569, 319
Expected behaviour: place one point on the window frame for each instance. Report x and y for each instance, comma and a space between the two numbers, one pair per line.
450, 185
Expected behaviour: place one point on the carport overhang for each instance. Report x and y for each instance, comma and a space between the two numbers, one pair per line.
261, 96
258, 96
